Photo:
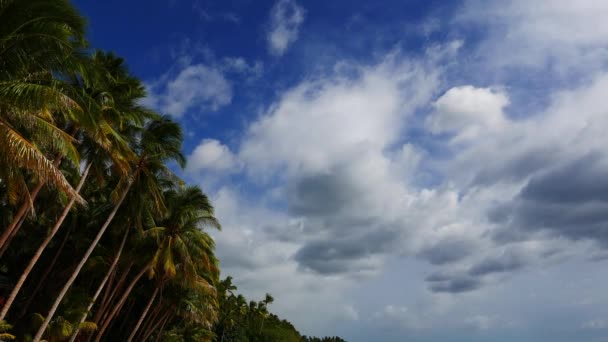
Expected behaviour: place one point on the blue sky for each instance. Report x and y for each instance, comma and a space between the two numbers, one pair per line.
394, 170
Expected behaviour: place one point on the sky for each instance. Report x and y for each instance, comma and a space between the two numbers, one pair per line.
393, 170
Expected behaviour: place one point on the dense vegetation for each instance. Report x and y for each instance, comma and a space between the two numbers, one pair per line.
100, 239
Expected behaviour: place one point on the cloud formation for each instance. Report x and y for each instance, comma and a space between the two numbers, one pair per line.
565, 35
403, 168
194, 86
211, 155
469, 111
286, 16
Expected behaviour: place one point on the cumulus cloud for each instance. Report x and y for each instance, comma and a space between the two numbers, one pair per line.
211, 155
564, 34
196, 86
467, 112
346, 193
349, 172
286, 16
248, 247
348, 207
563, 191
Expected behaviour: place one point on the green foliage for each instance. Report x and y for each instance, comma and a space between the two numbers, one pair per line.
242, 321
4, 329
324, 339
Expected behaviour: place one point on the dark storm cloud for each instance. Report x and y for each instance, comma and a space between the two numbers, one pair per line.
570, 201
329, 205
439, 282
578, 182
321, 195
334, 256
515, 169
447, 251
504, 263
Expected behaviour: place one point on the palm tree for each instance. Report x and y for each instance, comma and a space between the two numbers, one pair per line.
183, 251
38, 39
99, 139
159, 142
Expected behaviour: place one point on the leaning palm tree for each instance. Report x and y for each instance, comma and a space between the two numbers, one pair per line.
99, 140
158, 143
181, 245
38, 39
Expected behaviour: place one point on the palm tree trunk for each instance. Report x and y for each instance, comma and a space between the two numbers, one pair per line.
12, 227
143, 315
101, 313
84, 259
155, 326
34, 260
121, 328
118, 306
45, 275
152, 318
12, 235
15, 224
101, 286
108, 289
162, 328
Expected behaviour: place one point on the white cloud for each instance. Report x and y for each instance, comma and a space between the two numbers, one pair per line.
563, 34
355, 115
240, 65
286, 16
261, 261
346, 115
326, 148
468, 112
337, 197
212, 155
195, 87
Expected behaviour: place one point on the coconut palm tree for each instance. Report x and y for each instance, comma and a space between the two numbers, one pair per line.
38, 40
100, 141
158, 143
183, 252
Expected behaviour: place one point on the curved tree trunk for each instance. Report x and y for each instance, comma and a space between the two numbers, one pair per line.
108, 289
34, 260
151, 319
12, 227
84, 259
45, 275
143, 315
162, 328
101, 314
119, 305
15, 224
12, 235
131, 303
155, 326
101, 286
